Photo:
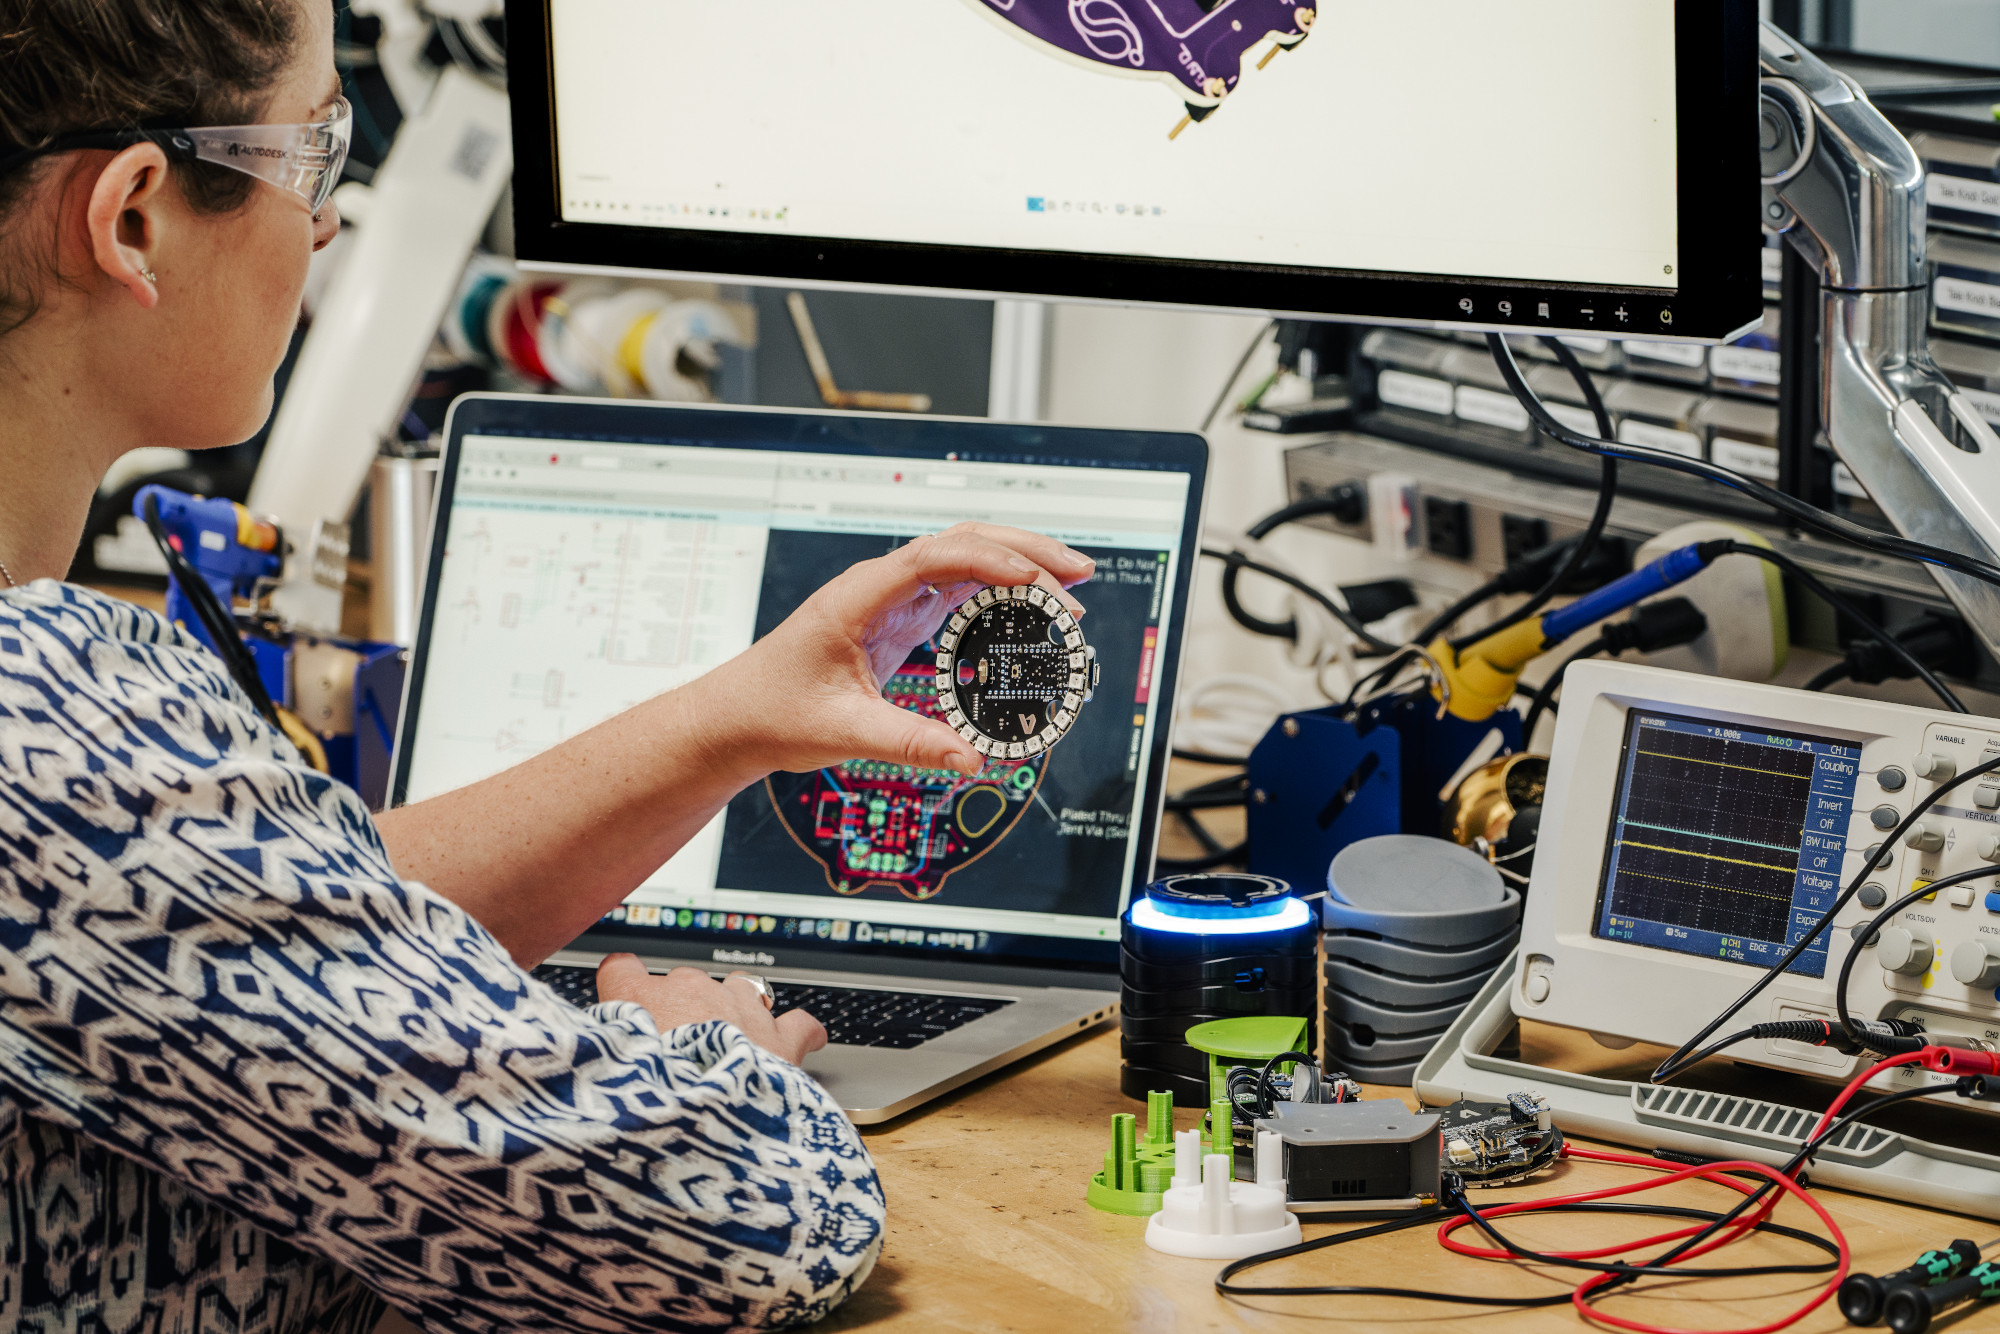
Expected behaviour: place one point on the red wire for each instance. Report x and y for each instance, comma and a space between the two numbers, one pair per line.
1854, 1087
1721, 1174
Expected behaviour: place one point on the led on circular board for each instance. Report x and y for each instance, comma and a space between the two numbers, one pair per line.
1013, 671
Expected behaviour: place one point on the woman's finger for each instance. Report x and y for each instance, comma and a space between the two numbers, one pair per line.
619, 973
866, 590
799, 1035
893, 735
964, 556
1065, 562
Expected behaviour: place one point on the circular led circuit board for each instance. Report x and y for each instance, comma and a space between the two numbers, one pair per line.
1013, 671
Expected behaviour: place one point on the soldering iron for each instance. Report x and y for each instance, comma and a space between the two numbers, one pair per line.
1480, 680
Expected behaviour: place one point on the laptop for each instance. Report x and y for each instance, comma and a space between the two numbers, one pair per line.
587, 555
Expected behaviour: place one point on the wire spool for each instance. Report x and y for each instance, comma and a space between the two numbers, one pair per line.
467, 327
601, 336
571, 362
514, 326
1195, 948
678, 353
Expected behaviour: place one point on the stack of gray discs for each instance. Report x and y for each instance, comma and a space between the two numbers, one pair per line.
1414, 927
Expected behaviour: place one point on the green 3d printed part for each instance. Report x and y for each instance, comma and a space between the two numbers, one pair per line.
1136, 1171
1251, 1040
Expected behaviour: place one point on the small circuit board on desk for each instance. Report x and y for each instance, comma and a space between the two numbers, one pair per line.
1498, 1143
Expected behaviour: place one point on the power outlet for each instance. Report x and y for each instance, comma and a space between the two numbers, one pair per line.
1520, 534
1447, 527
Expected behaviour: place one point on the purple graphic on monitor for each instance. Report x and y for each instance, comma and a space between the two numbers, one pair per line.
1199, 48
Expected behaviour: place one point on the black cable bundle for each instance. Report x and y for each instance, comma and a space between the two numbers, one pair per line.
216, 620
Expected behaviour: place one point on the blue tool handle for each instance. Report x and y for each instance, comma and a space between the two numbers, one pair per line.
1670, 569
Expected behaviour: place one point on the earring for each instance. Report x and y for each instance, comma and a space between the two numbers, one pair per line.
150, 276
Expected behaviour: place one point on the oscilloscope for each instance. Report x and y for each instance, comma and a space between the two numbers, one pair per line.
1696, 829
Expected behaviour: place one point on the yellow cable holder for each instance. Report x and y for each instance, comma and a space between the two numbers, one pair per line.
1479, 682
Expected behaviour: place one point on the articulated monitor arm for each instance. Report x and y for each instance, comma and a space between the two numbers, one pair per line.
1847, 190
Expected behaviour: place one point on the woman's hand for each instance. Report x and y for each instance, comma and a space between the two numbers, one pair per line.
809, 694
690, 996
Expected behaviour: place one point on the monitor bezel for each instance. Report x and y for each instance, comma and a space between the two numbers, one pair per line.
887, 436
1721, 280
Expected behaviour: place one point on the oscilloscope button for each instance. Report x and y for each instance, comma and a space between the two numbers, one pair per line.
1900, 952
1891, 778
1885, 817
1924, 837
1873, 895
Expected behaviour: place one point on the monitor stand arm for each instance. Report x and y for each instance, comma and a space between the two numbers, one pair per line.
1847, 190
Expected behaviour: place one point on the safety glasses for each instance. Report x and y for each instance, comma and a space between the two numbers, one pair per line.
304, 159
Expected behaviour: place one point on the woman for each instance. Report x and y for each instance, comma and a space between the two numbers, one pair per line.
265, 1061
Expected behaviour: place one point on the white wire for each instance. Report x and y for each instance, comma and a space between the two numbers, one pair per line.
481, 41
1229, 714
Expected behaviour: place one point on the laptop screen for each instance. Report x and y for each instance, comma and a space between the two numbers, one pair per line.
589, 557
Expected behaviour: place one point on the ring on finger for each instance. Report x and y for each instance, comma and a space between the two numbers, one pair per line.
762, 986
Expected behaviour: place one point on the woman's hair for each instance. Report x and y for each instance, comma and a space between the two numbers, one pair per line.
125, 64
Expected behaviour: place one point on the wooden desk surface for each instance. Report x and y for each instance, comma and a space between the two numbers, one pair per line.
988, 1231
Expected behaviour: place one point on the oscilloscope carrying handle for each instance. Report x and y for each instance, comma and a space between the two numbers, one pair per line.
1862, 1157
1844, 187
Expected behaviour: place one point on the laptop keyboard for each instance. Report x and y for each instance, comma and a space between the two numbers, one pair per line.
854, 1016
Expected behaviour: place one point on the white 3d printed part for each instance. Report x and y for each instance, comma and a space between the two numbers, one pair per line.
1204, 1215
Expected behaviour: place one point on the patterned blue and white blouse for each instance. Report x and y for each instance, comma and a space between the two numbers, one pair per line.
251, 1081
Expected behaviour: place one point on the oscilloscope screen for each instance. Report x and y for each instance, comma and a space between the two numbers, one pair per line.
1725, 841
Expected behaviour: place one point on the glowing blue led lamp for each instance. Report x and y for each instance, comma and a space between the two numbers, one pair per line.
1150, 914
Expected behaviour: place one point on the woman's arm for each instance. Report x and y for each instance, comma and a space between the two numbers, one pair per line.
543, 850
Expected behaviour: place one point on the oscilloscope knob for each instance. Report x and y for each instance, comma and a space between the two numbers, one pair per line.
1897, 950
1989, 848
1934, 767
1975, 964
1924, 837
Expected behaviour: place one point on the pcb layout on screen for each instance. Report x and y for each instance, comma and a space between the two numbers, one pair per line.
1530, 140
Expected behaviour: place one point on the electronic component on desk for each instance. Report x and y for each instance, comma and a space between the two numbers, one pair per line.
1498, 1143
1252, 1093
1347, 1156
1013, 671
1695, 829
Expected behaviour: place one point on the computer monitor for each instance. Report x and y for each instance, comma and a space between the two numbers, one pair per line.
1551, 165
603, 553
